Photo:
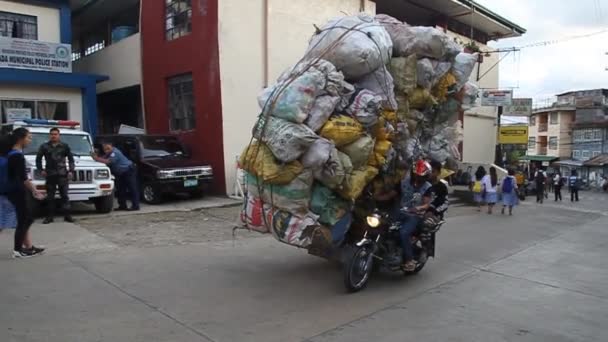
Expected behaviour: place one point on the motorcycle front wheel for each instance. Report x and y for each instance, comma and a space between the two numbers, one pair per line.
358, 269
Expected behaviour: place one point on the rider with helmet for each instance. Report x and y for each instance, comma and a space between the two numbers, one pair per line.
415, 200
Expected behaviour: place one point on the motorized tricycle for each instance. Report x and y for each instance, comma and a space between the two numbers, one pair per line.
380, 249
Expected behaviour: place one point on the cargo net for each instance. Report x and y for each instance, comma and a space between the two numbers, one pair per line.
370, 96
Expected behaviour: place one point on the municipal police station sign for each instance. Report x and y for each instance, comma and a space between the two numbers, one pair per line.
35, 55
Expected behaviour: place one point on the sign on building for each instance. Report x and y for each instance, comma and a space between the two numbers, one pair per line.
35, 55
17, 114
496, 98
514, 134
519, 107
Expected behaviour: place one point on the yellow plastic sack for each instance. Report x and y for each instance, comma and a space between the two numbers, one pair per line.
421, 99
342, 130
378, 158
258, 160
440, 91
390, 116
404, 106
379, 130
356, 182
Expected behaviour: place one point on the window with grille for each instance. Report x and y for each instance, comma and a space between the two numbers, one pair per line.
586, 154
553, 118
553, 143
597, 134
15, 25
531, 143
178, 18
533, 120
596, 153
576, 154
181, 103
92, 48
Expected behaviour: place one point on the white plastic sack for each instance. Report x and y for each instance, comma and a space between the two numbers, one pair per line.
420, 40
356, 45
463, 67
287, 140
293, 197
365, 107
295, 230
429, 72
332, 173
321, 110
294, 95
381, 83
359, 151
470, 96
318, 153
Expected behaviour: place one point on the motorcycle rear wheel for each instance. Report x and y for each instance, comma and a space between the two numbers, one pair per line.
358, 270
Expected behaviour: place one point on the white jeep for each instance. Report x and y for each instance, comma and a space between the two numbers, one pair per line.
90, 182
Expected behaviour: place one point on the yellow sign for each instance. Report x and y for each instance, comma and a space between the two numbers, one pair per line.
516, 134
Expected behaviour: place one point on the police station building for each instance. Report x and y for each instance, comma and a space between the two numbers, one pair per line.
36, 78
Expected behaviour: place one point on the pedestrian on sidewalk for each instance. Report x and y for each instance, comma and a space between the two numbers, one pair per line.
14, 211
573, 184
490, 189
123, 170
557, 186
477, 187
540, 178
509, 192
56, 172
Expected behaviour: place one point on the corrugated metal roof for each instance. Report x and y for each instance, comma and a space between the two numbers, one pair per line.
600, 160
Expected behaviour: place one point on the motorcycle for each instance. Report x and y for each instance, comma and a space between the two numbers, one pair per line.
380, 249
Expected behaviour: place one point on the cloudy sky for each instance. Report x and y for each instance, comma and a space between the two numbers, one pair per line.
541, 72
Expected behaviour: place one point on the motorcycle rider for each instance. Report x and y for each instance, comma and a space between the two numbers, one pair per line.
415, 199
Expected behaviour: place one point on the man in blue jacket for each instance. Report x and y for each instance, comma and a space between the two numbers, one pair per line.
124, 172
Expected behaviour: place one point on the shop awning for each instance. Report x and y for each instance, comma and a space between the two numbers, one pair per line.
599, 161
569, 162
538, 158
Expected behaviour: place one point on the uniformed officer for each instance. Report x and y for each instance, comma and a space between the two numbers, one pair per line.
124, 172
55, 153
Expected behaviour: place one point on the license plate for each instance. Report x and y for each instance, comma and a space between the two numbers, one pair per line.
188, 183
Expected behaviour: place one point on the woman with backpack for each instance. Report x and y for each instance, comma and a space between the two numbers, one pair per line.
14, 189
509, 192
477, 187
490, 189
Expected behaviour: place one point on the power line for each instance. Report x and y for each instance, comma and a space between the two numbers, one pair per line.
563, 40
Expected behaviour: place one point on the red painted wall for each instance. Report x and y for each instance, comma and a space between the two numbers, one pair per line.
195, 53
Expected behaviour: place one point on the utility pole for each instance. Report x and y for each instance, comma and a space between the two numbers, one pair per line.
498, 153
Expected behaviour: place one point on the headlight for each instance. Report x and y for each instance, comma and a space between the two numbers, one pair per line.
102, 174
373, 220
163, 174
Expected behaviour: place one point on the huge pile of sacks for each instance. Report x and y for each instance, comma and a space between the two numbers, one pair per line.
371, 95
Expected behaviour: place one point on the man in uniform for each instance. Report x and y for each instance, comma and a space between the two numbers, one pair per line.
57, 173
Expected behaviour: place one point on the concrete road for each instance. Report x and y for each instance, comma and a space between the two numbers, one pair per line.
536, 276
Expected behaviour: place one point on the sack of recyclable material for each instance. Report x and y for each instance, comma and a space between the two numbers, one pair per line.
448, 111
429, 72
379, 157
420, 40
380, 83
404, 106
445, 86
383, 130
421, 99
470, 96
332, 173
328, 205
256, 215
463, 67
295, 230
359, 151
342, 130
356, 45
287, 140
357, 181
321, 110
365, 107
293, 197
258, 160
318, 154
404, 71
